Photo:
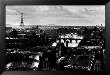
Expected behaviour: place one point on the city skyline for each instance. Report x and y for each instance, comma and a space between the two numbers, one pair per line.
64, 15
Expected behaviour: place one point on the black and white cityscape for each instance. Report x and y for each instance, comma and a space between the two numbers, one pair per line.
55, 38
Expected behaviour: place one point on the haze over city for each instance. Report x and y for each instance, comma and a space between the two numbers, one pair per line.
56, 15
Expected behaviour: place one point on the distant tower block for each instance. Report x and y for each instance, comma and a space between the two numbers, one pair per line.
22, 21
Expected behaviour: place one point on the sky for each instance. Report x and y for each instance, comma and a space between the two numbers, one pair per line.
63, 15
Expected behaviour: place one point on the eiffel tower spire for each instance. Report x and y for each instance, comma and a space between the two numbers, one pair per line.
22, 21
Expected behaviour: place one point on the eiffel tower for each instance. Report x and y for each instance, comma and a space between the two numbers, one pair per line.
22, 21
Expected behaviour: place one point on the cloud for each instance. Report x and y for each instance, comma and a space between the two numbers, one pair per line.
56, 14
10, 11
43, 11
28, 10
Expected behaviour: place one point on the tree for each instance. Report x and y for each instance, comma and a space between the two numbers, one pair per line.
14, 33
33, 33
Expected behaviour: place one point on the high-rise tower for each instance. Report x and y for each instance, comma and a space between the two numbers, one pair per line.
22, 21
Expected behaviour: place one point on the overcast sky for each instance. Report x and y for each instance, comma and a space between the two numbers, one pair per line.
59, 15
